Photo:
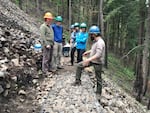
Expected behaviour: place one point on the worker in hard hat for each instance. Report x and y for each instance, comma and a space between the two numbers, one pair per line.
47, 37
81, 39
96, 59
73, 42
58, 39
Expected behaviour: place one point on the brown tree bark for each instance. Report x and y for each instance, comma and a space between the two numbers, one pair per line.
38, 6
138, 84
20, 4
146, 53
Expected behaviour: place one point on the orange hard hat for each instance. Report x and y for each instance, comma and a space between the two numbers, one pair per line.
48, 15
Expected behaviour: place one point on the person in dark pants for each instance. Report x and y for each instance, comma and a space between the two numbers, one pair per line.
73, 42
96, 59
81, 39
47, 36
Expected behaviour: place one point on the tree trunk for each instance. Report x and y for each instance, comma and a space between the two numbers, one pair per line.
38, 6
70, 13
102, 28
27, 6
20, 4
146, 53
101, 17
138, 84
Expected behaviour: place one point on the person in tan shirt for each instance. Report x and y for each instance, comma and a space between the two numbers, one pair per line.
96, 59
47, 37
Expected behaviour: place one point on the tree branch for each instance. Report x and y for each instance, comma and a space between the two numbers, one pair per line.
131, 51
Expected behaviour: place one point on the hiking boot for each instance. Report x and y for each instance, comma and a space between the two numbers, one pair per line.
52, 70
76, 83
98, 96
60, 67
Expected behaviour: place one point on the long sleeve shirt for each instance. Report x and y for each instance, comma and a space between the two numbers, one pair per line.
47, 35
98, 49
81, 39
58, 33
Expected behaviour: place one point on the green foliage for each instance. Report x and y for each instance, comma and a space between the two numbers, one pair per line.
113, 13
123, 76
17, 2
120, 71
66, 36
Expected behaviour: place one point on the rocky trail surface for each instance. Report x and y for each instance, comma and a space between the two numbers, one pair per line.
62, 97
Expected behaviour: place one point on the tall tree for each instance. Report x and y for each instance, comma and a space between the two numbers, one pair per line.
138, 84
70, 12
20, 3
38, 7
102, 27
101, 17
146, 52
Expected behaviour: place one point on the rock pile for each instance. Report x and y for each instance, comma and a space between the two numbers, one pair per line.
12, 16
17, 58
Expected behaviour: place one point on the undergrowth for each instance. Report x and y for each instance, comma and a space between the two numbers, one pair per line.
123, 76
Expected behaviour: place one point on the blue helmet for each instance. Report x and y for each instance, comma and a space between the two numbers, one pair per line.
94, 30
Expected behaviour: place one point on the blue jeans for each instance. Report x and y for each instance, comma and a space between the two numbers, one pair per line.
79, 55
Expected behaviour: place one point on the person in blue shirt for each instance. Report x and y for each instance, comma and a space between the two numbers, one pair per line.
58, 38
73, 41
81, 39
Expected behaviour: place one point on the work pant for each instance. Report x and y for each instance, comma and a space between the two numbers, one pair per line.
57, 53
97, 68
47, 58
73, 49
79, 55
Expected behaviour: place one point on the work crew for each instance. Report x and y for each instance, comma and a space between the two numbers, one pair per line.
73, 42
96, 59
58, 39
47, 36
81, 39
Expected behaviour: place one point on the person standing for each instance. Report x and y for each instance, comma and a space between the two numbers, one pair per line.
47, 36
73, 42
58, 39
81, 39
96, 59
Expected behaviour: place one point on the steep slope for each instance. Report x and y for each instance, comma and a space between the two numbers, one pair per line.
12, 16
17, 59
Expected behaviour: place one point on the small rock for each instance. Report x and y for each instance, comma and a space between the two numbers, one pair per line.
1, 89
7, 85
6, 93
34, 81
22, 100
15, 62
6, 50
4, 67
3, 39
2, 74
14, 78
22, 92
3, 61
119, 103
